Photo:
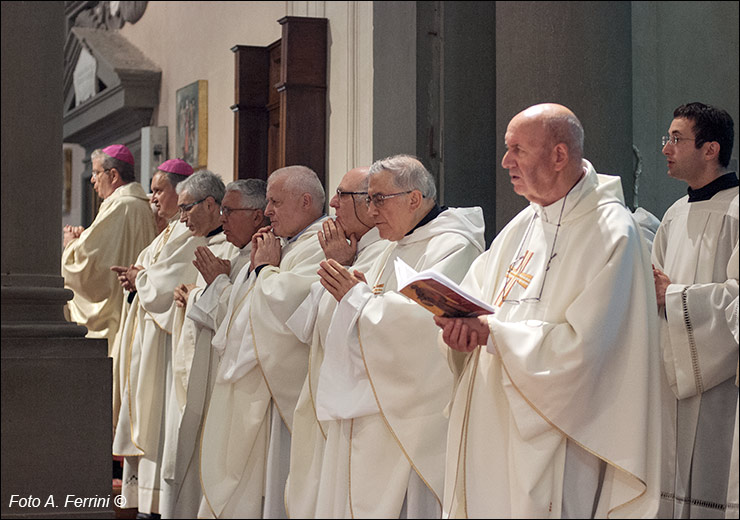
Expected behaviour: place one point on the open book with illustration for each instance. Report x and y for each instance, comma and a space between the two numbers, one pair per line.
437, 293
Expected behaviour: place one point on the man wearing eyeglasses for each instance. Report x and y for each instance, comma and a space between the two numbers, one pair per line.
241, 214
245, 446
557, 411
387, 385
150, 407
123, 227
695, 266
350, 239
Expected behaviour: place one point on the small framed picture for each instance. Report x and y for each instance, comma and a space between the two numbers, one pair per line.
191, 141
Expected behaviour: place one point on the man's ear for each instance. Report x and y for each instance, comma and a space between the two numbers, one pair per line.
415, 199
560, 156
306, 201
711, 151
115, 175
258, 216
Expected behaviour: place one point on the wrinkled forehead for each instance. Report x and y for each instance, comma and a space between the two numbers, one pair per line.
231, 198
160, 180
382, 182
525, 129
352, 180
184, 197
277, 188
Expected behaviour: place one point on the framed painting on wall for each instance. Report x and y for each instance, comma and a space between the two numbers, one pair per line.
191, 138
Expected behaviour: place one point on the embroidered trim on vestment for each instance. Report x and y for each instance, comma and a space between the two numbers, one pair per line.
692, 342
695, 501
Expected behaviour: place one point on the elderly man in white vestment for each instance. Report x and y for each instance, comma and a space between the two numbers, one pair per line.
164, 200
241, 215
695, 257
384, 387
245, 445
557, 409
350, 239
160, 280
123, 227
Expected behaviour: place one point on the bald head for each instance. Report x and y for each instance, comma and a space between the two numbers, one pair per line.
295, 198
357, 178
559, 125
544, 152
349, 202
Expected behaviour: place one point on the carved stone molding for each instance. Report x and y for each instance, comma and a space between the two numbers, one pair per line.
103, 15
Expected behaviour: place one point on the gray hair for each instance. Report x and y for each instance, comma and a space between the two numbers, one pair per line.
252, 191
408, 174
125, 169
302, 180
202, 184
567, 129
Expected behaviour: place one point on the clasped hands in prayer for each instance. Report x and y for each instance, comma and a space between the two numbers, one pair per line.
182, 292
266, 248
209, 265
339, 251
336, 244
127, 275
70, 233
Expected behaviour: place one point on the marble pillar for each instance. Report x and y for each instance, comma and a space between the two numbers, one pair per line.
56, 385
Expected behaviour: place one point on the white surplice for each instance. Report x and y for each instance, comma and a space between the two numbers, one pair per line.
245, 445
697, 247
146, 362
559, 415
733, 485
310, 323
193, 372
383, 385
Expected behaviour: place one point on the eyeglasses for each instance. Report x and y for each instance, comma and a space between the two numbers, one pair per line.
95, 174
674, 139
226, 211
341, 193
379, 199
184, 208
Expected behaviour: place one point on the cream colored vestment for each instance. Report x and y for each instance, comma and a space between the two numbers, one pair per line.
245, 443
571, 368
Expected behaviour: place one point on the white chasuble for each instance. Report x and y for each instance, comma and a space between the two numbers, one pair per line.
310, 323
261, 369
148, 364
123, 227
697, 247
385, 457
571, 368
121, 346
193, 373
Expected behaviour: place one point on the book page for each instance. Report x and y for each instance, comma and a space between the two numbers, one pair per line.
437, 293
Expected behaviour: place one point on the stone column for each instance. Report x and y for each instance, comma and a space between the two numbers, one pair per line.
56, 385
578, 54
